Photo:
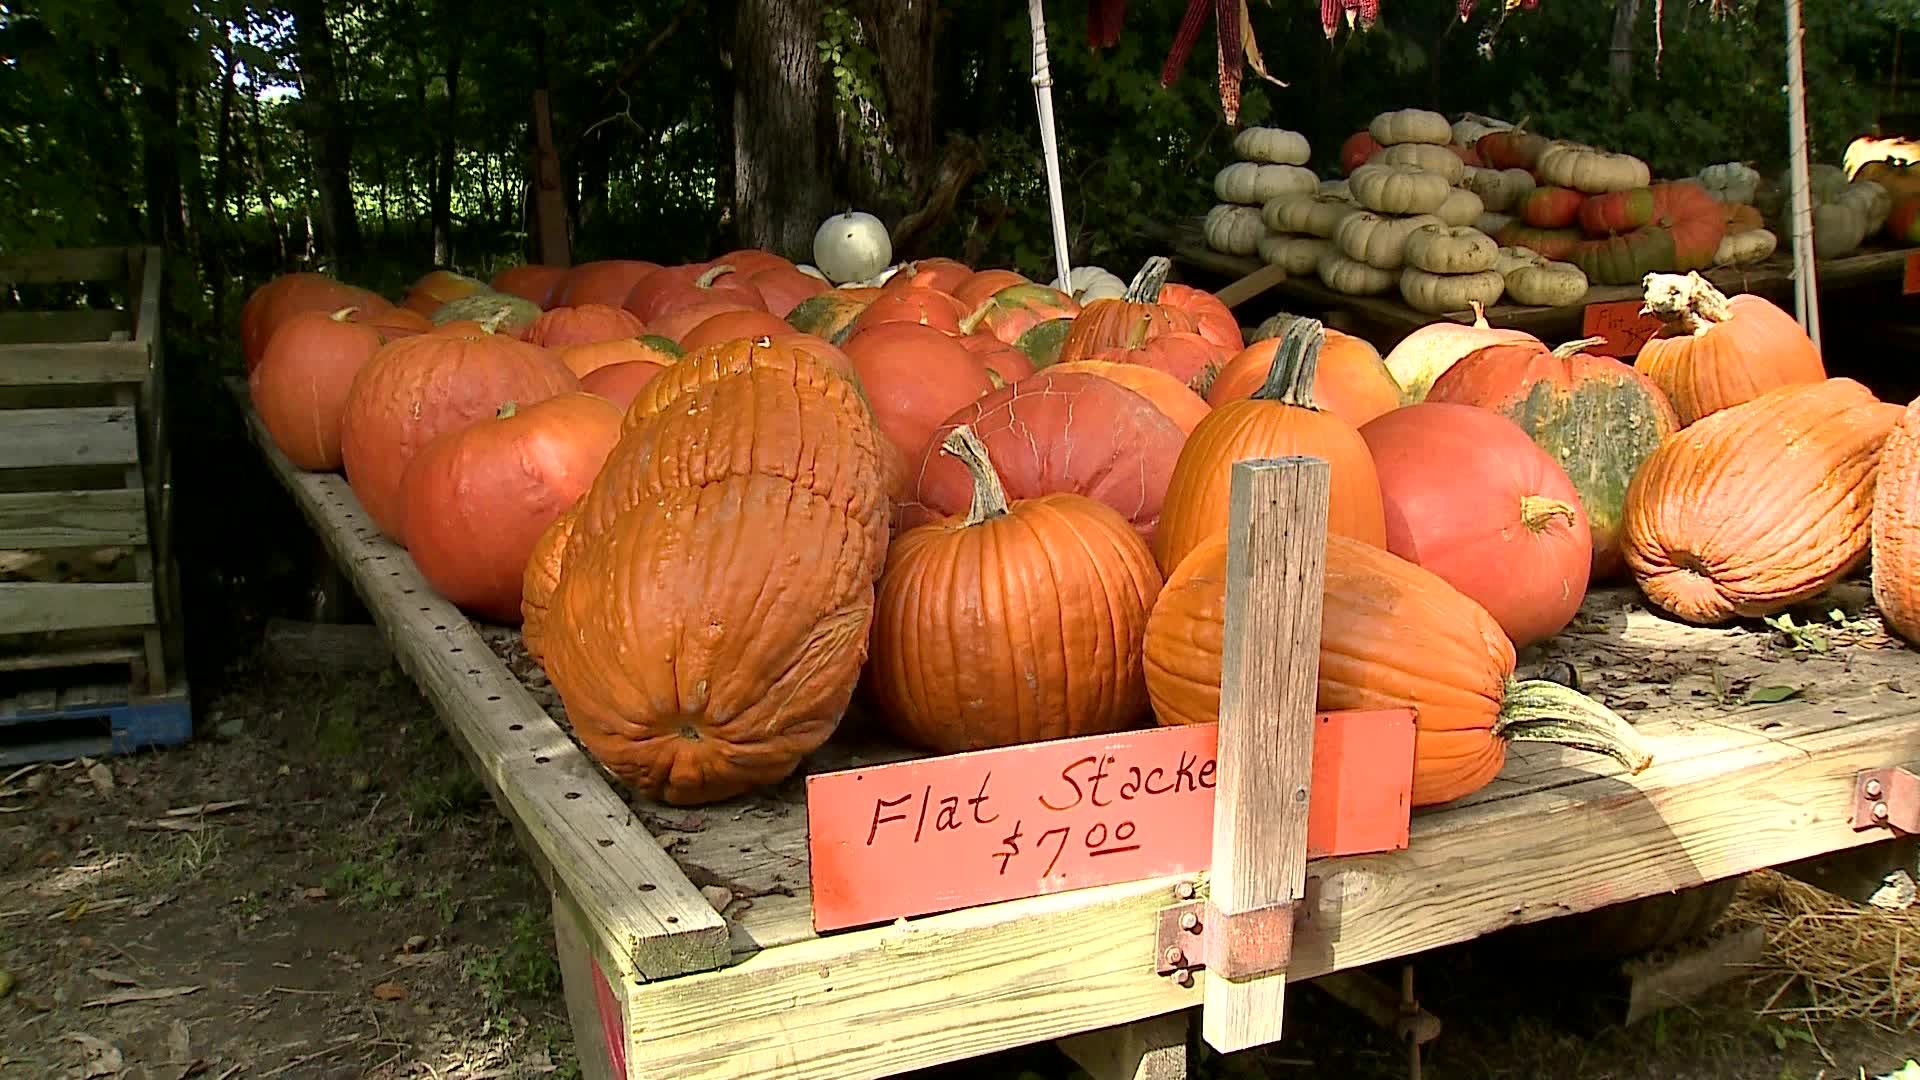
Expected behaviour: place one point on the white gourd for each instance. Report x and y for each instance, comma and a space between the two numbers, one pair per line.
1741, 248
1730, 182
1586, 169
1426, 156
1378, 240
1837, 229
1314, 215
1471, 126
1491, 224
1546, 284
1443, 249
1234, 230
1871, 199
1252, 184
1398, 189
1513, 258
1274, 145
1499, 189
1297, 255
1462, 207
1350, 278
851, 246
1437, 294
1338, 189
1410, 126
1089, 283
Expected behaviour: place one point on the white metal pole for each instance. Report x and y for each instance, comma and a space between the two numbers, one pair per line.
1049, 144
1805, 276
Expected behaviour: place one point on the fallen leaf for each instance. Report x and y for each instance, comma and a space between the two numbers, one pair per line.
318, 892
389, 991
98, 1057
128, 997
207, 808
419, 959
179, 1043
415, 943
6, 982
1764, 695
111, 977
100, 777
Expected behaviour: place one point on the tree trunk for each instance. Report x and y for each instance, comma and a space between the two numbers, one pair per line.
330, 133
782, 175
1620, 57
443, 168
902, 33
161, 156
217, 228
721, 16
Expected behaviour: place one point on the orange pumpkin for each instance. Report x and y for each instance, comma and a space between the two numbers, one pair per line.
1280, 419
915, 377
1128, 321
288, 295
1213, 320
782, 288
1896, 527
300, 386
942, 275
560, 327
1426, 354
392, 322
675, 287
621, 383
477, 499
589, 357
925, 306
1168, 394
1189, 358
728, 325
829, 315
819, 349
607, 281
1020, 620
437, 287
1004, 362
1392, 635
1759, 506
530, 282
541, 578
1016, 309
1352, 382
1718, 352
975, 290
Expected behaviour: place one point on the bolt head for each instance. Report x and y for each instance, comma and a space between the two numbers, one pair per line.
1183, 977
1189, 921
1873, 789
1184, 890
1880, 811
1175, 957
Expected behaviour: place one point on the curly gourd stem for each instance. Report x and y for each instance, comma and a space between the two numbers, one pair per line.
706, 280
1541, 711
1290, 379
1574, 348
1479, 315
1145, 287
1538, 511
1691, 301
989, 498
343, 314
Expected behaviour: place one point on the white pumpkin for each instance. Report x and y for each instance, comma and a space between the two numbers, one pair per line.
1468, 129
1252, 184
1546, 284
1398, 189
851, 247
1410, 126
1594, 172
1276, 145
1741, 248
1437, 294
1462, 207
1234, 230
1837, 229
1313, 215
1730, 182
1433, 159
1089, 283
1337, 189
1378, 240
1350, 278
1499, 189
1510, 259
1297, 255
1444, 249
1871, 199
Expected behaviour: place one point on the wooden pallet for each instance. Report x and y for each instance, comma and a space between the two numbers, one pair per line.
95, 720
84, 470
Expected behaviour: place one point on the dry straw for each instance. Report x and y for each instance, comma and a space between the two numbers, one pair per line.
1827, 959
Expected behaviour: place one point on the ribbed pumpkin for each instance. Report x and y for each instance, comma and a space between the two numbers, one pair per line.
1351, 381
1052, 433
1759, 506
1717, 352
1422, 356
914, 378
584, 359
1212, 319
541, 578
1188, 357
607, 281
1130, 320
1279, 420
415, 388
1392, 635
1470, 497
1896, 527
1020, 620
477, 499
301, 384
1168, 394
560, 327
1595, 416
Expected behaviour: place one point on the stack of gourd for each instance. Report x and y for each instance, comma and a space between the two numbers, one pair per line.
1735, 185
1415, 226
1271, 165
1844, 213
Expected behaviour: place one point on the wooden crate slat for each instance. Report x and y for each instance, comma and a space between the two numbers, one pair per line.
54, 327
70, 658
147, 266
66, 265
98, 435
54, 519
74, 363
33, 607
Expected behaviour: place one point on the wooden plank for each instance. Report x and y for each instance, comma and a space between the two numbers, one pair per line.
577, 978
34, 607
52, 327
95, 435
630, 891
1153, 1049
73, 519
1251, 285
44, 661
1276, 564
73, 363
64, 265
148, 265
1688, 973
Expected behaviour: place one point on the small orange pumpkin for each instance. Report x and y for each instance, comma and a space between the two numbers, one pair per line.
1128, 321
300, 387
1718, 352
1351, 382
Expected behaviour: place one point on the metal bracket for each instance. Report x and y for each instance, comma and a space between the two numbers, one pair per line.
1888, 797
1247, 945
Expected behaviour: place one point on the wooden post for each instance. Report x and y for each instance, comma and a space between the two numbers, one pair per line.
1276, 566
1151, 1049
1800, 207
549, 202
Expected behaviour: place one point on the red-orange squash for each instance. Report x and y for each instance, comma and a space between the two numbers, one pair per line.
828, 315
982, 284
1212, 319
728, 325
1761, 505
607, 281
914, 377
782, 288
557, 328
300, 386
1004, 362
1014, 621
1168, 394
1718, 351
541, 578
1128, 321
478, 498
668, 290
1351, 383
1549, 207
924, 306
1392, 636
1424, 355
1053, 433
1187, 357
1016, 309
1279, 420
436, 287
942, 275
530, 282
584, 359
1470, 497
1896, 527
286, 296
620, 383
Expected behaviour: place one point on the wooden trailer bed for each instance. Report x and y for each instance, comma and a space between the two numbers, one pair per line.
749, 990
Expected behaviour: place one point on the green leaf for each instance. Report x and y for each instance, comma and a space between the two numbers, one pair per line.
1766, 695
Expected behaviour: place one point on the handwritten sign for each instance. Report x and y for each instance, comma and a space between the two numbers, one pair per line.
948, 832
1910, 280
1621, 324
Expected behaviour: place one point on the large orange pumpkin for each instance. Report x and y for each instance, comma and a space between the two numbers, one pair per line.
300, 386
672, 288
914, 377
436, 287
982, 284
415, 388
1130, 320
1351, 382
1717, 352
728, 325
925, 306
587, 358
1213, 320
288, 295
530, 282
621, 383
782, 288
1168, 394
559, 327
1015, 621
1759, 506
607, 281
1896, 527
1016, 309
1280, 419
830, 315
1392, 635
1005, 364
1190, 358
478, 498
541, 578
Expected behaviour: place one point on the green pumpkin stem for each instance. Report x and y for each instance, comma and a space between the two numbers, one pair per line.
1538, 511
1574, 348
1290, 379
506, 410
491, 324
1691, 302
1145, 287
989, 497
1538, 710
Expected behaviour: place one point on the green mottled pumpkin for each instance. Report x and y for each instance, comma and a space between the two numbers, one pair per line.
830, 315
1555, 244
1597, 417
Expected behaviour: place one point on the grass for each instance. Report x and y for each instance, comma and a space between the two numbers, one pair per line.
522, 969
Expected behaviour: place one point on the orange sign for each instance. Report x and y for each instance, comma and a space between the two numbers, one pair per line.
1910, 281
1622, 324
949, 832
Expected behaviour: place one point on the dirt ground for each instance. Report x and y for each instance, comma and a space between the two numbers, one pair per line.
317, 887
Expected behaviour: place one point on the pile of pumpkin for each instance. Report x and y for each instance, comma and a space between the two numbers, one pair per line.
1845, 212
999, 512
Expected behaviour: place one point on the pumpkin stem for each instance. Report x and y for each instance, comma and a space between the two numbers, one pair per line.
491, 324
1575, 348
1538, 511
975, 317
343, 314
506, 410
989, 498
1539, 710
1479, 315
706, 280
1290, 379
1145, 287
1690, 301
